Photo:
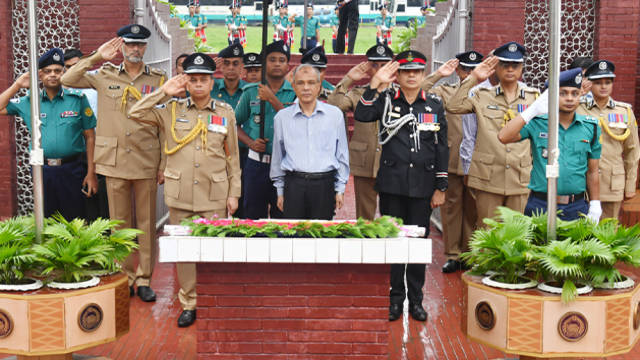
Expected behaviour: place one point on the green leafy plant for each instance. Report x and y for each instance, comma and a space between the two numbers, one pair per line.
404, 39
504, 248
16, 258
72, 247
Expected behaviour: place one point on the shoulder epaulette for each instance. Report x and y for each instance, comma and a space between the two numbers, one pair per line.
447, 84
589, 119
224, 105
109, 65
162, 106
434, 97
158, 71
531, 90
77, 93
583, 99
250, 85
481, 88
623, 104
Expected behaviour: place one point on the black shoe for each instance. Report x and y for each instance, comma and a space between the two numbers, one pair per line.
187, 318
465, 266
418, 313
132, 291
451, 266
146, 294
395, 311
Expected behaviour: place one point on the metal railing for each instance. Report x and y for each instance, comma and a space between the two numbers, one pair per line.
158, 55
450, 37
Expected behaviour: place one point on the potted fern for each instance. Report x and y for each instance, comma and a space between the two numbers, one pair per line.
71, 248
624, 244
16, 258
504, 250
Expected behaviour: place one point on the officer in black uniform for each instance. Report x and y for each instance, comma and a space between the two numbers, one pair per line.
412, 177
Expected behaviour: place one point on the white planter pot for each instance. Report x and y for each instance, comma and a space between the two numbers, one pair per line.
26, 287
558, 290
490, 282
625, 284
72, 286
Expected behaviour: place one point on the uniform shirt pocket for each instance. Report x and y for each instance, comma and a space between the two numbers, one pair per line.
481, 165
618, 177
114, 99
358, 153
494, 119
106, 148
150, 153
525, 170
172, 182
219, 185
582, 150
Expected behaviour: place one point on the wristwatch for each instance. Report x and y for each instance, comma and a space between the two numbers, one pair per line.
339, 193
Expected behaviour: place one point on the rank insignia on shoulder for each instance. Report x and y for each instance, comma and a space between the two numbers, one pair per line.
435, 97
544, 135
161, 106
15, 101
114, 87
92, 72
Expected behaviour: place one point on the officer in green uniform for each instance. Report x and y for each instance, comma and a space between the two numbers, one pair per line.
280, 24
334, 22
313, 27
278, 93
579, 147
193, 19
67, 133
229, 89
422, 20
385, 24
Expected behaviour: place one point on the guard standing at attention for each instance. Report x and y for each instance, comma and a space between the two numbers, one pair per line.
364, 149
620, 148
127, 152
385, 24
459, 214
203, 171
412, 179
499, 173
229, 89
313, 27
281, 25
260, 193
579, 144
67, 134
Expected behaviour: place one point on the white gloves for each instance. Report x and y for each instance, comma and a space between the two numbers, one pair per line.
595, 210
384, 28
234, 27
539, 107
281, 28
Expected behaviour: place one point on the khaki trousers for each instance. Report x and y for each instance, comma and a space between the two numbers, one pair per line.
487, 204
119, 194
610, 209
459, 217
187, 271
366, 197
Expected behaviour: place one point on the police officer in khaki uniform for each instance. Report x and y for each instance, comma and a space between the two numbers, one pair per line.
202, 177
499, 172
364, 149
620, 148
127, 152
459, 215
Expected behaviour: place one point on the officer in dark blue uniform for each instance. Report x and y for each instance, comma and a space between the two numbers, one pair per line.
413, 174
68, 137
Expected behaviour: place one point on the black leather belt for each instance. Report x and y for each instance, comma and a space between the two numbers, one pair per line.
61, 161
562, 199
311, 38
312, 176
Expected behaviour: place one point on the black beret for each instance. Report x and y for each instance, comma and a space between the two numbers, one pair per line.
51, 57
569, 78
199, 63
280, 47
134, 33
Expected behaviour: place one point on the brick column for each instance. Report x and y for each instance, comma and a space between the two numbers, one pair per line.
496, 22
100, 21
274, 311
616, 39
8, 188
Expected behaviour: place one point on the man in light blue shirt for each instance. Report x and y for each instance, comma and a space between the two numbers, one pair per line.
310, 158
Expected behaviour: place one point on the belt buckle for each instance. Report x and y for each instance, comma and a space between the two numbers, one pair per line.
54, 162
563, 199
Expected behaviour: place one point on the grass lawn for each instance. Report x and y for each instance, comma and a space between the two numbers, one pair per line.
217, 38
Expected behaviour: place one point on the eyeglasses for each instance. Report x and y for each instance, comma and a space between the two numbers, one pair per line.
513, 65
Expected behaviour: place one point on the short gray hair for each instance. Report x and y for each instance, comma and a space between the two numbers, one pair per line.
304, 66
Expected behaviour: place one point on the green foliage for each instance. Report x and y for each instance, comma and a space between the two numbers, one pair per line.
71, 248
173, 10
404, 39
16, 238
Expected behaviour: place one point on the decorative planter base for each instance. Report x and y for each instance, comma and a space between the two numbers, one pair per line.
49, 321
536, 325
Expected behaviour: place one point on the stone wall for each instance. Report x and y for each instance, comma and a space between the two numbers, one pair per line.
180, 41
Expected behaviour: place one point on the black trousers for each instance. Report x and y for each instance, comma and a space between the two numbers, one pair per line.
244, 152
412, 211
97, 205
62, 187
349, 17
261, 197
313, 199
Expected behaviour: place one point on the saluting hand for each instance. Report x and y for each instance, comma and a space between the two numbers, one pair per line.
448, 68
359, 71
111, 48
586, 87
386, 75
176, 85
219, 62
437, 199
485, 69
23, 80
289, 76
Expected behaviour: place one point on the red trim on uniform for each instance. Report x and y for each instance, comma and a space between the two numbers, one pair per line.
424, 95
397, 94
365, 102
416, 60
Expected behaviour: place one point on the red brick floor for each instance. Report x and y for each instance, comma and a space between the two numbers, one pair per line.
155, 335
